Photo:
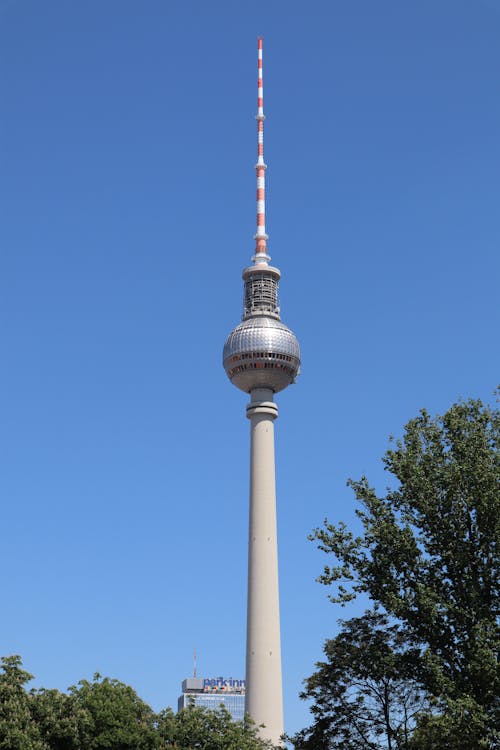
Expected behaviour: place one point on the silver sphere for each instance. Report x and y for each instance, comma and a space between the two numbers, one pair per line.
261, 352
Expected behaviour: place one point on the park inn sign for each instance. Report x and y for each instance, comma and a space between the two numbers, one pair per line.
223, 685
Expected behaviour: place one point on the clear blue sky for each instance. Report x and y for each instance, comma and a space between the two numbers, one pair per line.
127, 146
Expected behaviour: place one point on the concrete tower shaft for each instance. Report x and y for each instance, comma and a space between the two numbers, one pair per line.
264, 697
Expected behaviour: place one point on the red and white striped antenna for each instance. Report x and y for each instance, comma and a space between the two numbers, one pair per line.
261, 256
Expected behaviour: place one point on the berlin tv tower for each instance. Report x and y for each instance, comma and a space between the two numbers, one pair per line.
261, 357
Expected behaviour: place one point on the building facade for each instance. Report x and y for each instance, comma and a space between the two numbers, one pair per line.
213, 693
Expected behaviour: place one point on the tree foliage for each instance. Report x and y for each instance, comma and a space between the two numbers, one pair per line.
364, 696
61, 723
106, 714
117, 717
195, 728
429, 556
18, 730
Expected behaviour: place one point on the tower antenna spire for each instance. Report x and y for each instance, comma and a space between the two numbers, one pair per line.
261, 256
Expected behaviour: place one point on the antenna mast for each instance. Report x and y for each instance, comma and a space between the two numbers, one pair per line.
261, 237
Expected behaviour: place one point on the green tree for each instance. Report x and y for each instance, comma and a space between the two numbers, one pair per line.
197, 728
62, 722
429, 555
18, 730
364, 695
456, 724
112, 716
105, 714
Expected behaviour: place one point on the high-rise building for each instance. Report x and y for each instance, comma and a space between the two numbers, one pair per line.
261, 357
212, 693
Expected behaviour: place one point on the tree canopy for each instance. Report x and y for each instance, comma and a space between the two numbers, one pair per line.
428, 556
106, 714
18, 729
195, 728
364, 694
